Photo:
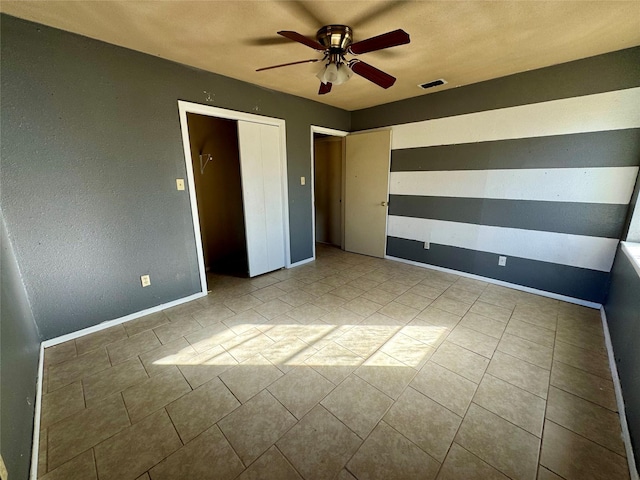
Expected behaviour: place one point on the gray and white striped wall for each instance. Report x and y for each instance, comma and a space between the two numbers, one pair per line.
546, 184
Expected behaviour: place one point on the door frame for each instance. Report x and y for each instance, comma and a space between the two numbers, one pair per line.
334, 133
207, 110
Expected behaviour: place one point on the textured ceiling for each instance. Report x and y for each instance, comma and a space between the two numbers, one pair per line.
461, 41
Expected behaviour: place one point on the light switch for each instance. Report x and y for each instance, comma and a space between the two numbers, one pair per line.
145, 280
303, 181
180, 183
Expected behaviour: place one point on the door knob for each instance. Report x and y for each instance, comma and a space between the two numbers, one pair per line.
384, 204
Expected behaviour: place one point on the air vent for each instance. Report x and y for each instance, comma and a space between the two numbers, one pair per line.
434, 83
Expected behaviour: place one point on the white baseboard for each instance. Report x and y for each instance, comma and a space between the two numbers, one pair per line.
35, 449
118, 321
626, 437
514, 286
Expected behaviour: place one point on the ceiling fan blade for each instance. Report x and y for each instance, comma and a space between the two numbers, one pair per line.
386, 40
372, 74
311, 60
324, 88
297, 37
265, 41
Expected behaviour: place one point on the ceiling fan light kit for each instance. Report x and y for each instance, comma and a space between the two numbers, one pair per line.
336, 41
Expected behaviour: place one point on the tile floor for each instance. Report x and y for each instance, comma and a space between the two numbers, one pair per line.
348, 367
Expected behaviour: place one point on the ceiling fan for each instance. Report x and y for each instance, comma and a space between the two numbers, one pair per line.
336, 41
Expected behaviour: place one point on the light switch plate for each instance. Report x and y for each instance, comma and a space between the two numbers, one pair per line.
145, 280
303, 181
502, 261
180, 183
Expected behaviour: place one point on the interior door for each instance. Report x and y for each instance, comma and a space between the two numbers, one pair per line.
261, 171
367, 160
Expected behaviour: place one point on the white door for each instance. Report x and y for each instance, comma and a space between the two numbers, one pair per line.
367, 159
262, 189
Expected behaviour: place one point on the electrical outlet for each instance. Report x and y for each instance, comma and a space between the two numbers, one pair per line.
427, 245
145, 280
180, 183
303, 181
502, 261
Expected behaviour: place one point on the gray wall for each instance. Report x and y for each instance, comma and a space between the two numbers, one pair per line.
19, 349
557, 149
91, 148
623, 315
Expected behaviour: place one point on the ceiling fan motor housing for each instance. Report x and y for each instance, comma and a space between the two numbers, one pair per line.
336, 38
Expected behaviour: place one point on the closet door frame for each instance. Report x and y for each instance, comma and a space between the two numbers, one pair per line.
189, 107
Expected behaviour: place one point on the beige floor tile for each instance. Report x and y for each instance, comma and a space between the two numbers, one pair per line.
583, 384
208, 457
153, 394
426, 291
77, 368
42, 451
388, 455
452, 306
183, 310
166, 357
82, 467
364, 283
357, 404
89, 342
431, 335
348, 292
61, 404
518, 406
207, 365
283, 327
210, 337
380, 296
85, 429
461, 294
535, 316
335, 280
253, 427
334, 362
525, 350
533, 333
393, 286
198, 410
586, 360
501, 444
318, 289
249, 377
345, 475
445, 387
148, 322
425, 422
414, 300
212, 315
592, 421
133, 451
342, 316
461, 464
464, 362
113, 380
491, 311
242, 303
288, 353
138, 344
244, 321
387, 374
273, 308
575, 458
522, 374
60, 353
482, 324
438, 317
307, 313
174, 330
381, 320
319, 445
498, 299
329, 302
472, 340
268, 293
320, 335
471, 284
544, 474
582, 339
301, 389
408, 350
271, 464
362, 306
247, 345
363, 340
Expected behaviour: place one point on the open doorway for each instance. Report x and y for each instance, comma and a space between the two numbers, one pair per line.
328, 188
215, 159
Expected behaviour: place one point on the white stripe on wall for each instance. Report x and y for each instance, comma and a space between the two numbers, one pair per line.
613, 185
590, 113
594, 253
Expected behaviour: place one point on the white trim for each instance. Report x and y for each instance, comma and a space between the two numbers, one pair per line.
303, 262
632, 251
323, 131
189, 107
33, 475
118, 321
514, 286
626, 436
